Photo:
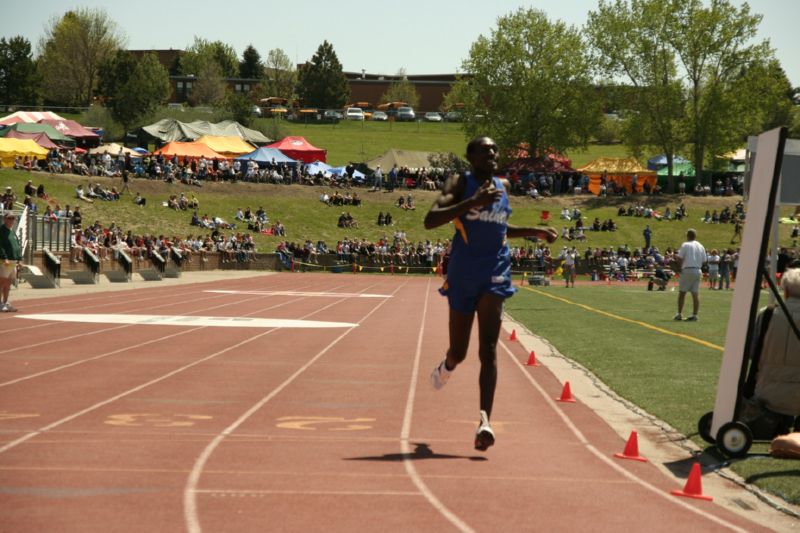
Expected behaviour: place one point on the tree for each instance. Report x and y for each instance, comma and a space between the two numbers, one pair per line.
529, 82
321, 82
713, 45
280, 75
202, 53
209, 87
71, 52
135, 87
238, 106
401, 90
20, 83
632, 42
251, 65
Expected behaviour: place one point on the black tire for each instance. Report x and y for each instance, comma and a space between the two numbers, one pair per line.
704, 427
734, 439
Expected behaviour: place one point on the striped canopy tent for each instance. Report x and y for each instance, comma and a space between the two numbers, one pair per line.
190, 149
618, 170
11, 148
29, 116
227, 145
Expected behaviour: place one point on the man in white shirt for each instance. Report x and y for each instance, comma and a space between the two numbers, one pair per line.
691, 257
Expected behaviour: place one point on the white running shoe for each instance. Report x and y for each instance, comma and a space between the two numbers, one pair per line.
440, 375
8, 308
3, 308
484, 437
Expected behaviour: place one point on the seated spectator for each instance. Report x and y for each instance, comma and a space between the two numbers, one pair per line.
388, 220
80, 194
29, 190
381, 219
239, 214
410, 203
324, 198
356, 200
139, 200
401, 202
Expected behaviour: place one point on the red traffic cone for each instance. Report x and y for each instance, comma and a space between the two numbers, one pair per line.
694, 486
632, 449
532, 360
513, 336
566, 394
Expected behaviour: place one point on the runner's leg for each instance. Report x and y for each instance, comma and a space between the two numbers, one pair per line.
490, 317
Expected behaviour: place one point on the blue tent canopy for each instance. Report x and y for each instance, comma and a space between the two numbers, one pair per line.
264, 155
659, 161
339, 172
318, 166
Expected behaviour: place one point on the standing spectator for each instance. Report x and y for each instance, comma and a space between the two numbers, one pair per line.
377, 176
570, 258
714, 260
11, 255
691, 257
725, 267
647, 233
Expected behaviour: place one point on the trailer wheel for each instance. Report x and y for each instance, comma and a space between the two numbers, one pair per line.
704, 427
734, 439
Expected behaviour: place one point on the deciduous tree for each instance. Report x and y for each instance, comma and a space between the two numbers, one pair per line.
203, 52
402, 90
321, 82
529, 82
71, 51
280, 75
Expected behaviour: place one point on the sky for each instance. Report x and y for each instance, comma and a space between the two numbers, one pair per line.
421, 37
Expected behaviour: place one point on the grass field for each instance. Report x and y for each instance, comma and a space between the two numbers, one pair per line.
671, 371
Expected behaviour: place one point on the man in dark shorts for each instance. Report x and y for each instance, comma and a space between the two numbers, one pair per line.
10, 256
479, 270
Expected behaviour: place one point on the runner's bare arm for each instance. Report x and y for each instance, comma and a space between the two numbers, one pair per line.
449, 204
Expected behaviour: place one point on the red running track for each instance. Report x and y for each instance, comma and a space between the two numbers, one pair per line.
164, 427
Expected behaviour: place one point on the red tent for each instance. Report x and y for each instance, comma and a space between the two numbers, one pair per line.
300, 149
74, 130
29, 116
40, 138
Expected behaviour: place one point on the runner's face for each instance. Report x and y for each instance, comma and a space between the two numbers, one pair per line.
484, 156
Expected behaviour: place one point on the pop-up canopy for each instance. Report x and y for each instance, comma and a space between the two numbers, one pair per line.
300, 149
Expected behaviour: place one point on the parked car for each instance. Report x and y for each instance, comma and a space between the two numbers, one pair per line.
453, 116
380, 116
331, 115
432, 116
406, 114
354, 113
256, 111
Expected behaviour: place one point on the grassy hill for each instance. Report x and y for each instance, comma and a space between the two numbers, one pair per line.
299, 209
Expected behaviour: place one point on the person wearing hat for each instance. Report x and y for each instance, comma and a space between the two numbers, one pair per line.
10, 255
7, 199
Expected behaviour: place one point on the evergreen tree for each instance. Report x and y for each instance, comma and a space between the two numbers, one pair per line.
321, 81
20, 83
251, 65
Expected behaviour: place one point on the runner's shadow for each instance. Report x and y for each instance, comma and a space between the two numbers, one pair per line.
421, 451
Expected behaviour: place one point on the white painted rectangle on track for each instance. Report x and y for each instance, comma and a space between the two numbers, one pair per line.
188, 320
305, 293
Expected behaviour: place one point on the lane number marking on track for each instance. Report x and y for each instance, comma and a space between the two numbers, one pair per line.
328, 423
157, 420
188, 321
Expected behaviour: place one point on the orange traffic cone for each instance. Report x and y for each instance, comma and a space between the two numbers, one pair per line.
532, 360
632, 449
566, 394
694, 486
513, 336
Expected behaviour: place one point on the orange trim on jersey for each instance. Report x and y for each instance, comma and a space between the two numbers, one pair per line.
461, 229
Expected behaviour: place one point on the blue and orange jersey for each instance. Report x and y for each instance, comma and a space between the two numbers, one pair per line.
481, 232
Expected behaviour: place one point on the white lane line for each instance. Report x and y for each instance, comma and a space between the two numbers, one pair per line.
30, 435
607, 460
187, 320
302, 293
190, 513
309, 492
405, 432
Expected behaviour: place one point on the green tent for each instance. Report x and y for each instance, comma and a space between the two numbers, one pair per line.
677, 168
27, 127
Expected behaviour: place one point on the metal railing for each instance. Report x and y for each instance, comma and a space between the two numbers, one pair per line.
45, 233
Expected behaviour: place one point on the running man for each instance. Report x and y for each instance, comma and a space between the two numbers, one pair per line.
479, 270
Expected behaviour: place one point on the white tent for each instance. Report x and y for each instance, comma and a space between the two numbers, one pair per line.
29, 116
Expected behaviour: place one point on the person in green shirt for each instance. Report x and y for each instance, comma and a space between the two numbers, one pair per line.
10, 255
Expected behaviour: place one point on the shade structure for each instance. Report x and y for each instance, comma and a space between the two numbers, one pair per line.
300, 149
11, 148
618, 170
190, 149
168, 130
83, 136
113, 149
402, 158
687, 169
227, 145
541, 164
39, 138
29, 116
318, 166
26, 127
655, 163
265, 155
